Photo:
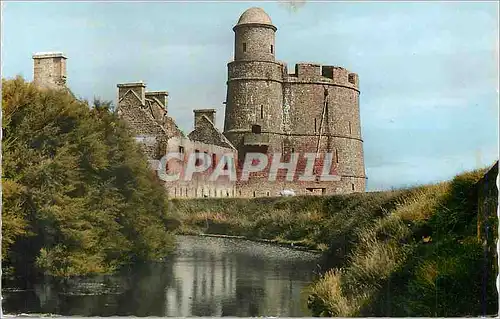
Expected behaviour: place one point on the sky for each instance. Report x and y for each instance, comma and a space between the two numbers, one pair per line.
428, 70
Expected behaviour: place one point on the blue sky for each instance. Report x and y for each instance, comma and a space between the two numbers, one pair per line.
428, 71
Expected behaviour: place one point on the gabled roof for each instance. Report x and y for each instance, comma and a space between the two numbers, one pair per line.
213, 136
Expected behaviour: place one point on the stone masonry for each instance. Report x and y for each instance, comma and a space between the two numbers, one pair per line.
315, 109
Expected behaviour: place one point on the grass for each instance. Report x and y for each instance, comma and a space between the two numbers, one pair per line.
407, 252
422, 259
319, 223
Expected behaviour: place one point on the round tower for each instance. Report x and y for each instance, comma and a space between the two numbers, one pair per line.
253, 118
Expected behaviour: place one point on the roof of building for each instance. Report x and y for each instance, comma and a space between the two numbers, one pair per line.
254, 15
43, 55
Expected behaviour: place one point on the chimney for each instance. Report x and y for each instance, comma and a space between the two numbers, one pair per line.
210, 113
49, 69
138, 88
161, 96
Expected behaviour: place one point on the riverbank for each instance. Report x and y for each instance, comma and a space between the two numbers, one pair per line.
391, 252
326, 224
265, 241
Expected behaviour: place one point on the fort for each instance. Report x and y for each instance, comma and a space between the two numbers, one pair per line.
268, 110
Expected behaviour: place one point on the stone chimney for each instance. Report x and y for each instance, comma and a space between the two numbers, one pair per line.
138, 88
49, 69
210, 113
160, 96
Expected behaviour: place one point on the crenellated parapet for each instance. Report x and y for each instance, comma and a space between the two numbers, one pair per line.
312, 73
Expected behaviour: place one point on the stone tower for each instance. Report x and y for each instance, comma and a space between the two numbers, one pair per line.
49, 69
312, 110
254, 91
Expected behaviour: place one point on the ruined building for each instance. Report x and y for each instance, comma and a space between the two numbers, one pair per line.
314, 110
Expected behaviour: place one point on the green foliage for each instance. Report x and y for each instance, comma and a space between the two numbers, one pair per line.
422, 259
78, 197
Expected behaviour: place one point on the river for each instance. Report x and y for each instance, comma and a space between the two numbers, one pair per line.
205, 276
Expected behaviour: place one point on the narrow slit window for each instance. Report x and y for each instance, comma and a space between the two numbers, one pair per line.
261, 111
352, 186
272, 49
315, 126
244, 47
337, 156
197, 162
253, 193
214, 160
350, 130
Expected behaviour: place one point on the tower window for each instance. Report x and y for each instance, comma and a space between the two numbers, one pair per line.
315, 126
256, 129
352, 186
351, 78
337, 156
261, 112
272, 49
197, 162
244, 47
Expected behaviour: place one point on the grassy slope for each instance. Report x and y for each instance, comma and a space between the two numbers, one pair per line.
383, 265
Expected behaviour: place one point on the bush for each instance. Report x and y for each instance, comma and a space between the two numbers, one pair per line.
79, 196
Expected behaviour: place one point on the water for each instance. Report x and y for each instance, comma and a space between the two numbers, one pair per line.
205, 277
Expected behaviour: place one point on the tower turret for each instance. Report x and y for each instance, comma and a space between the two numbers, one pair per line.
254, 36
253, 118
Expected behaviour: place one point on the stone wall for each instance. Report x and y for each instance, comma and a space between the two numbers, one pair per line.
200, 184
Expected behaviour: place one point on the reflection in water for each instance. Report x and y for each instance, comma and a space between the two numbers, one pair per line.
205, 277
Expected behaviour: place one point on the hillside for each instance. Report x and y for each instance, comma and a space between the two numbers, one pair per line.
411, 252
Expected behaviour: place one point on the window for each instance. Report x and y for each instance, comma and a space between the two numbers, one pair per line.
253, 193
350, 130
293, 150
272, 49
315, 126
197, 158
256, 129
244, 47
261, 111
352, 186
214, 160
181, 149
352, 78
337, 156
